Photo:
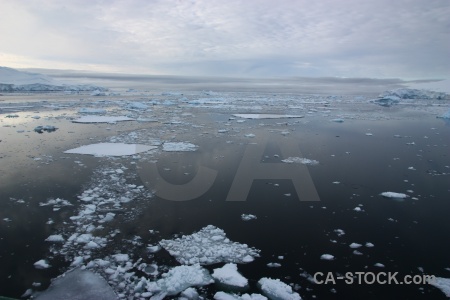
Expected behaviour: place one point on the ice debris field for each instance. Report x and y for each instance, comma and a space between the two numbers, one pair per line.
205, 262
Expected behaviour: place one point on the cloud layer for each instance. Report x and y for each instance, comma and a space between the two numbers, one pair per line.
351, 38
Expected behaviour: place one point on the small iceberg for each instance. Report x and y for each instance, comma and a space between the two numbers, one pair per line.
277, 290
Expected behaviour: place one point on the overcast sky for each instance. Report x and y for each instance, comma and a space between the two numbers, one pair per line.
407, 39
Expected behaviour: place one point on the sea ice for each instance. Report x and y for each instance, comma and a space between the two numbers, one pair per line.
327, 257
101, 119
229, 275
300, 160
55, 238
275, 289
446, 115
78, 284
248, 217
180, 278
42, 264
266, 116
179, 147
443, 284
355, 245
111, 149
394, 195
208, 246
226, 296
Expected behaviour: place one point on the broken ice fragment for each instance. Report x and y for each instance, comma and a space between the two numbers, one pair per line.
111, 149
208, 246
277, 290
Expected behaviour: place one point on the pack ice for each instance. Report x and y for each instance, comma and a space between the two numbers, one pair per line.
208, 246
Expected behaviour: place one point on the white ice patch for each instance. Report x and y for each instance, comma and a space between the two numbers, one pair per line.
230, 276
327, 257
248, 217
443, 284
55, 238
226, 296
394, 195
42, 264
179, 147
267, 116
208, 246
111, 149
300, 160
355, 245
182, 277
101, 119
277, 290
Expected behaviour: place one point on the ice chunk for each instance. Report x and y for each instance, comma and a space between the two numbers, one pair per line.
446, 115
190, 293
277, 290
180, 278
337, 120
101, 119
355, 245
179, 147
48, 128
327, 257
111, 149
55, 238
42, 264
226, 296
78, 284
136, 105
300, 160
248, 217
443, 284
208, 246
267, 116
229, 275
394, 195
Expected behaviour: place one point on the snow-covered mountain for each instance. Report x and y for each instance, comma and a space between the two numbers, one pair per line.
12, 80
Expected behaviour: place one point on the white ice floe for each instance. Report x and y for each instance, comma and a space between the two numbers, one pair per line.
42, 264
267, 116
101, 119
379, 265
275, 289
274, 265
355, 245
339, 232
55, 238
180, 278
369, 245
208, 246
443, 284
179, 147
229, 276
248, 217
56, 203
111, 149
227, 296
300, 160
327, 257
394, 195
78, 284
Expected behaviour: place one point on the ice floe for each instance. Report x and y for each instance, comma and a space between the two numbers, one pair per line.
266, 116
42, 264
111, 149
78, 284
101, 119
208, 246
228, 275
248, 217
327, 257
227, 296
179, 147
89, 110
300, 160
394, 195
441, 283
275, 289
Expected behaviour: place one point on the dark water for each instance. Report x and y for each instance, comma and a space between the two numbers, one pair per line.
407, 234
